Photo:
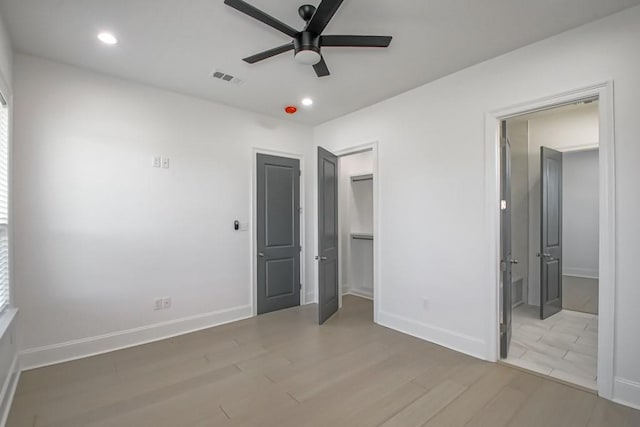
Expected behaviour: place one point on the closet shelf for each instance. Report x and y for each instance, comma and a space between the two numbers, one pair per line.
365, 177
362, 236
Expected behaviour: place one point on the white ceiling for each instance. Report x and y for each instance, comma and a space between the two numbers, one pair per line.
176, 44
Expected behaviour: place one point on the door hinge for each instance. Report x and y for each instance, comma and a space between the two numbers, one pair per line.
503, 328
299, 286
300, 172
503, 205
300, 248
503, 266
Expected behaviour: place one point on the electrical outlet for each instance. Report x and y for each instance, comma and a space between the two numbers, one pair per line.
165, 163
156, 161
166, 302
157, 304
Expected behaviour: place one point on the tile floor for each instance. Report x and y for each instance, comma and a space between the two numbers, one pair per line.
563, 346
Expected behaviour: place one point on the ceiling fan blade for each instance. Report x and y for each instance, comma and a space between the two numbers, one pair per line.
355, 41
256, 13
323, 15
321, 68
269, 53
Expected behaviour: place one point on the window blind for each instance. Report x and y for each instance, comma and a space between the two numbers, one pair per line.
4, 205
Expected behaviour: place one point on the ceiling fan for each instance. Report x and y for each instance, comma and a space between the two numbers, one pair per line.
307, 43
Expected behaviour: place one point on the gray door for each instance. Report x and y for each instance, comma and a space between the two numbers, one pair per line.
550, 232
278, 233
505, 240
327, 234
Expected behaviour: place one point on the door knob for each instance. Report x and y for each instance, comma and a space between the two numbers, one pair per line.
321, 258
260, 254
513, 261
546, 255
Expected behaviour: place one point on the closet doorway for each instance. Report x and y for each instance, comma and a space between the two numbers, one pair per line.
354, 233
355, 208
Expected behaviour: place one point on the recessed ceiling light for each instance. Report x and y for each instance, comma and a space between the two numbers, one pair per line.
307, 102
107, 38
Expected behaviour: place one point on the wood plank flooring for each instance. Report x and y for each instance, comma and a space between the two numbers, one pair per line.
282, 369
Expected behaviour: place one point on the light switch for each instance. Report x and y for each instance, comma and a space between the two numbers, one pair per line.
156, 161
165, 162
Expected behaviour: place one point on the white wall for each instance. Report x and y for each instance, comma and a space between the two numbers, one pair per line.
8, 361
432, 187
356, 215
580, 205
564, 129
518, 134
100, 233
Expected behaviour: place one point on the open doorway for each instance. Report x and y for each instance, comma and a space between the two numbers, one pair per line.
355, 208
550, 241
346, 212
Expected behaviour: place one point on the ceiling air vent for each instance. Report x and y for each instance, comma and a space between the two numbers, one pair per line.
226, 77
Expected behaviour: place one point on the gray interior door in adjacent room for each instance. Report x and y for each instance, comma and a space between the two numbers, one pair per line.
327, 234
505, 240
278, 232
550, 232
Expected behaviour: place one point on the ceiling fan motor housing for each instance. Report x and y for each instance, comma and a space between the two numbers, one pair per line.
307, 48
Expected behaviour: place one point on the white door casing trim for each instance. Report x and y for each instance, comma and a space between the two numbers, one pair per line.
606, 319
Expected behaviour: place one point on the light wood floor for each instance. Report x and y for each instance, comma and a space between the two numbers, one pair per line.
282, 369
564, 346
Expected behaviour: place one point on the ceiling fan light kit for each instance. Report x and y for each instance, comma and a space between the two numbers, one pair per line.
307, 44
307, 48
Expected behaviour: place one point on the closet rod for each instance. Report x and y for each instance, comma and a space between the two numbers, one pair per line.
362, 236
366, 177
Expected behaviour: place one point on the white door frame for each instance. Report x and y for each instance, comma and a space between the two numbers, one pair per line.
253, 229
607, 289
353, 149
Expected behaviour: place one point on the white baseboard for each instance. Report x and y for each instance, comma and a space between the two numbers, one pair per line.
310, 298
9, 390
362, 293
459, 342
580, 272
626, 392
85, 347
